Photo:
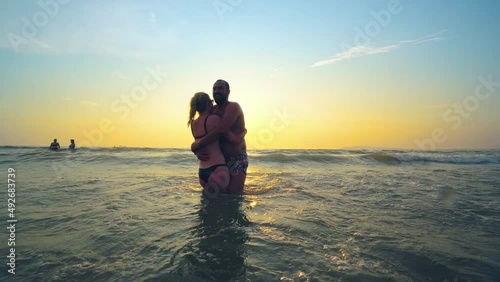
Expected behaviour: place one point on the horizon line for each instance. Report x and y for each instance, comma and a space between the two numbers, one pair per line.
352, 148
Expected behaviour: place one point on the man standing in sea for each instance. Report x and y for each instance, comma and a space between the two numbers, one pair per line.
232, 119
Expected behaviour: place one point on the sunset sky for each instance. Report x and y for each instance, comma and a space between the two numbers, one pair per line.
307, 74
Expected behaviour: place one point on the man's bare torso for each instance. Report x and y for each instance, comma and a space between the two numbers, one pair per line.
230, 149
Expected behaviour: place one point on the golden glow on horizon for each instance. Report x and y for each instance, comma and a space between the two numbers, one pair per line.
285, 121
279, 113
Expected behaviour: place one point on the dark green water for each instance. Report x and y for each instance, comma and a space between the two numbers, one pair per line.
137, 215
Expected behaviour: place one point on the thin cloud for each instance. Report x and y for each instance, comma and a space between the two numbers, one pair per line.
276, 71
120, 75
40, 43
360, 51
20, 44
90, 103
439, 106
152, 17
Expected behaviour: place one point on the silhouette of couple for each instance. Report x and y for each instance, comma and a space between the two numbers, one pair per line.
219, 133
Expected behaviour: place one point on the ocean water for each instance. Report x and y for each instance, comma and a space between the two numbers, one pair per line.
137, 214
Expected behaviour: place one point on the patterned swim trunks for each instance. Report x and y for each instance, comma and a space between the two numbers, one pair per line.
237, 164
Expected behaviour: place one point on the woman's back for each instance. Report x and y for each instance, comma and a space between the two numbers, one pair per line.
200, 127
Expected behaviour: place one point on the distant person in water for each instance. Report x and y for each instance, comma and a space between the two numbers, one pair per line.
231, 120
72, 145
54, 145
213, 173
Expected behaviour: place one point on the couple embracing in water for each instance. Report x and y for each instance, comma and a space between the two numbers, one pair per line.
219, 133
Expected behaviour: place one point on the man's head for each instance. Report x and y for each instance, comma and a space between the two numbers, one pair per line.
221, 92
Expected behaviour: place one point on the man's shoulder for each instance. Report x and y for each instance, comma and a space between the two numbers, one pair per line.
233, 106
213, 118
231, 109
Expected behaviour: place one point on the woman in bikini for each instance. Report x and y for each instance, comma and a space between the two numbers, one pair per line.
213, 173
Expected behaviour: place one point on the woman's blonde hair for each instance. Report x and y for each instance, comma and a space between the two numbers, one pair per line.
198, 103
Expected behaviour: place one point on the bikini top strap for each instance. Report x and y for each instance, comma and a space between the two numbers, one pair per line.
192, 131
205, 125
